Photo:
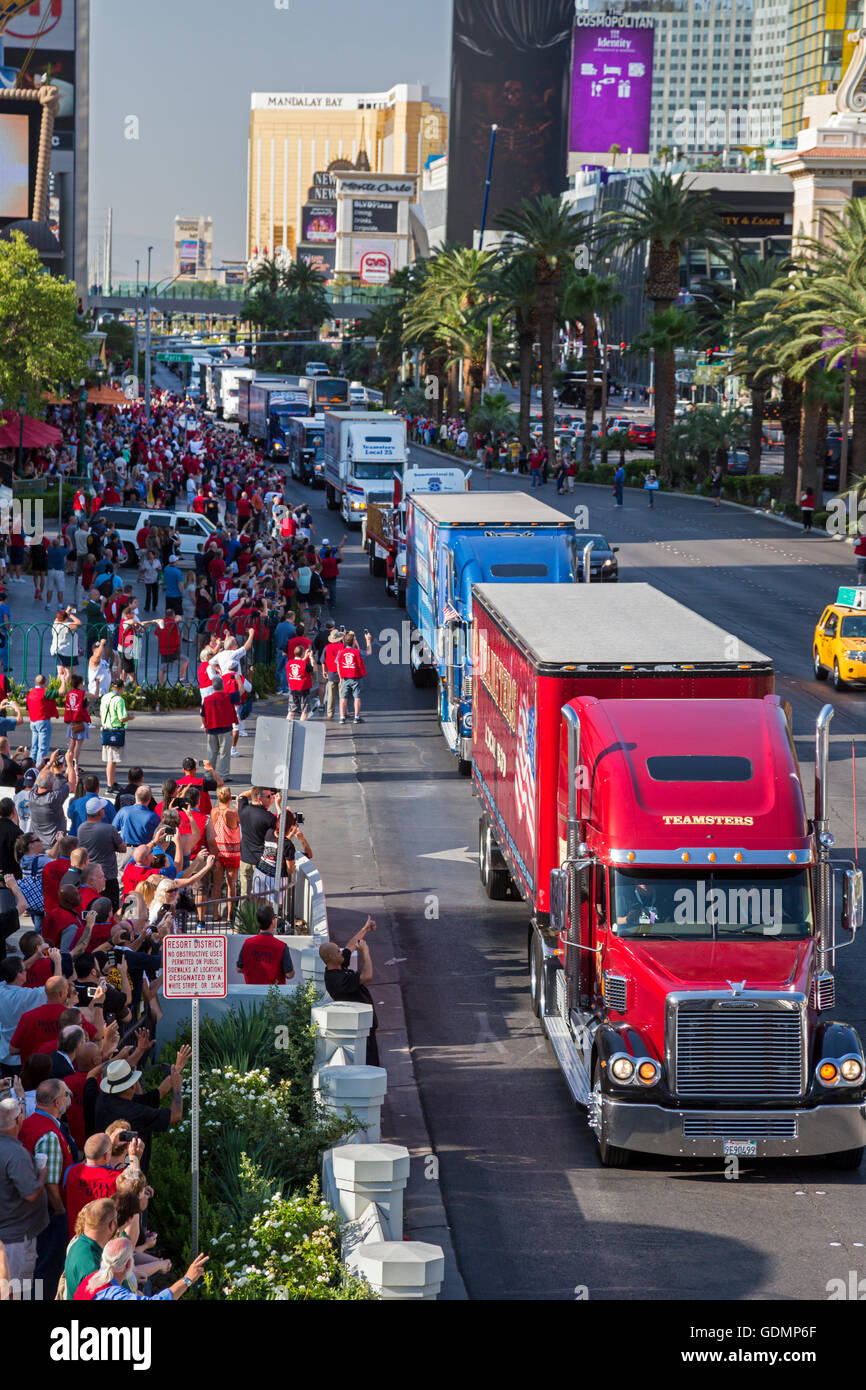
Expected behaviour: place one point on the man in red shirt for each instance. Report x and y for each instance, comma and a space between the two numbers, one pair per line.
220, 717
299, 679
168, 641
139, 867
40, 1025
53, 872
207, 784
40, 711
332, 652
264, 960
298, 645
86, 1182
351, 670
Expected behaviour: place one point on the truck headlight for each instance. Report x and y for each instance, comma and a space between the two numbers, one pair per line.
828, 1073
852, 1070
622, 1069
648, 1072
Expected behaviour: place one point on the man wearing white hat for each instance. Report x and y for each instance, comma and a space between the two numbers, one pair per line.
121, 1098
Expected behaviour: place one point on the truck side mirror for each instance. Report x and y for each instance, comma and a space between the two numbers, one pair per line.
852, 900
568, 889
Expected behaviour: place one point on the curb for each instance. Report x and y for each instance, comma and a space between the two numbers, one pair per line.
691, 496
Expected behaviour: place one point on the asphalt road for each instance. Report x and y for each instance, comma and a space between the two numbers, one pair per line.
531, 1212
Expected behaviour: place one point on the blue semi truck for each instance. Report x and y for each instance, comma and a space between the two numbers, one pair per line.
456, 540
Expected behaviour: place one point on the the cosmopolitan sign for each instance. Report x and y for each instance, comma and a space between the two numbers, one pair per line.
611, 89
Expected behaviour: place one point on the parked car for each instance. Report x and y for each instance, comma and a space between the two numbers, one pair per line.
738, 461
318, 369
193, 530
603, 564
642, 434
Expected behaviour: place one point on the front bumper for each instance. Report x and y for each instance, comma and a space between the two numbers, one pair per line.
655, 1129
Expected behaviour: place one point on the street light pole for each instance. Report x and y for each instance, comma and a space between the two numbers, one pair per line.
147, 339
488, 356
135, 329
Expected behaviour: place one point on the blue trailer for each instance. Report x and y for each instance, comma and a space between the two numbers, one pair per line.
455, 540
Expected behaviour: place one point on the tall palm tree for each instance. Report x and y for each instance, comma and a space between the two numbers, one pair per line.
588, 298
751, 274
666, 331
664, 212
519, 297
444, 311
548, 231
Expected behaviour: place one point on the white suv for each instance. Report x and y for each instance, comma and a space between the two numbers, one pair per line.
193, 530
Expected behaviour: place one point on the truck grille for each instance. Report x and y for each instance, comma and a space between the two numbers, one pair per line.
616, 992
822, 993
743, 1049
381, 497
740, 1126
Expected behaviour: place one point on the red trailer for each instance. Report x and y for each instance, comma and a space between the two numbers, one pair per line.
640, 791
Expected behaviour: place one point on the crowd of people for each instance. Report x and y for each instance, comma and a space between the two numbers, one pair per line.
96, 871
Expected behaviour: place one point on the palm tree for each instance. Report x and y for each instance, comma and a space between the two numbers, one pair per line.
548, 231
493, 416
589, 298
444, 311
751, 274
666, 213
666, 331
519, 297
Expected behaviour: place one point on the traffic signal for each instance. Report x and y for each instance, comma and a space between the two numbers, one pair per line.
622, 347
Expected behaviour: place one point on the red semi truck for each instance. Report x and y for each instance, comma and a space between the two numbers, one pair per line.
640, 790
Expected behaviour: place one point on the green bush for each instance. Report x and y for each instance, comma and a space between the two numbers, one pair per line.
165, 696
604, 473
290, 1251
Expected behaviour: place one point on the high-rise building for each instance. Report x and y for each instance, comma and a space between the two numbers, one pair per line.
294, 135
818, 52
718, 71
193, 248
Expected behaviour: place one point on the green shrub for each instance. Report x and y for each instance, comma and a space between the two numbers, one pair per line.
291, 1251
604, 473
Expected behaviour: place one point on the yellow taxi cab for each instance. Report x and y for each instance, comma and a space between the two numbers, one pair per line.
839, 645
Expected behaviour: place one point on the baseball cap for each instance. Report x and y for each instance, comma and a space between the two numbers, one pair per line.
29, 777
94, 804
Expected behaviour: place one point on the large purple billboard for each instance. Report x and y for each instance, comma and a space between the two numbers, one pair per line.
611, 89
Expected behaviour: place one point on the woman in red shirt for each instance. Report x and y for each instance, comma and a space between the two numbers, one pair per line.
351, 670
76, 717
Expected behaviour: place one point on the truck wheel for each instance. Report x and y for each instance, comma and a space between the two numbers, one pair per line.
838, 683
847, 1159
419, 678
609, 1156
494, 878
464, 767
821, 672
401, 595
330, 498
377, 566
536, 974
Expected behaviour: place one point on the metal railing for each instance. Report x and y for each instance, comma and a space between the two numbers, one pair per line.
25, 651
236, 913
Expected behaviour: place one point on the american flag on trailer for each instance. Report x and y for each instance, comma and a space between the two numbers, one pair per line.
449, 613
524, 771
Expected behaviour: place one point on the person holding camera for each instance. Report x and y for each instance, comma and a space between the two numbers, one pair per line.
267, 883
342, 983
264, 960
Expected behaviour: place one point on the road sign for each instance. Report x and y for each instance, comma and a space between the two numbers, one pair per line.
288, 755
194, 967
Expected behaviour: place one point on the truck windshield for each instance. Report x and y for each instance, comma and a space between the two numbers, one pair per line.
853, 626
724, 905
374, 470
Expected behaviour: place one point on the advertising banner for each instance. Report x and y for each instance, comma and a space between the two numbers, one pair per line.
373, 215
188, 257
323, 259
510, 67
14, 166
611, 94
373, 260
50, 26
319, 224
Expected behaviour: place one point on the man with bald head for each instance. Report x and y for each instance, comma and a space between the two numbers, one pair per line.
23, 1203
41, 1025
92, 1179
42, 1136
345, 984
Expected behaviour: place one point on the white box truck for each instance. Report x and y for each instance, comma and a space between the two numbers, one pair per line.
364, 450
227, 400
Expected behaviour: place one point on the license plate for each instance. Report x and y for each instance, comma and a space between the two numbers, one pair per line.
740, 1148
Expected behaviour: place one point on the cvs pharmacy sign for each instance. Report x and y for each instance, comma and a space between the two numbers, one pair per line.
375, 268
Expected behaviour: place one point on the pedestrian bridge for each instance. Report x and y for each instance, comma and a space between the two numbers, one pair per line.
226, 301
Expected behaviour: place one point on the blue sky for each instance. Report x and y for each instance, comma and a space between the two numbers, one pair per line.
186, 68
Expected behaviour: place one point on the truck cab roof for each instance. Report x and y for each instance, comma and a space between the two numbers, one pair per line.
691, 777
